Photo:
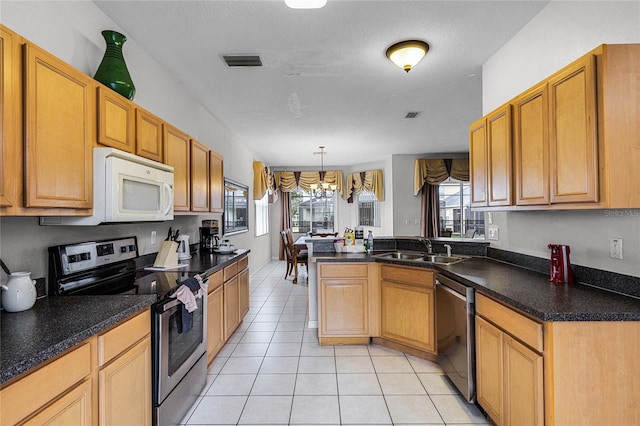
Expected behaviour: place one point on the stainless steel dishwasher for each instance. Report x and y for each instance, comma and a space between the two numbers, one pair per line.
455, 332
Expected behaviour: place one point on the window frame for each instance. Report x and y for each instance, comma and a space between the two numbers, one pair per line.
262, 215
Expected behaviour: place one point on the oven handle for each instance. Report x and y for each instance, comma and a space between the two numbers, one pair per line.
451, 291
173, 303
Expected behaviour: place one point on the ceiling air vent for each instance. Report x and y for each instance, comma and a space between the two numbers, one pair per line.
413, 114
242, 60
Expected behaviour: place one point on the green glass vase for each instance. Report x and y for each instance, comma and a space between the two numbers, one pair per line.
113, 71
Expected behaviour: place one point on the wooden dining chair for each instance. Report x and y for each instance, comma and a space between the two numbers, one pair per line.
294, 255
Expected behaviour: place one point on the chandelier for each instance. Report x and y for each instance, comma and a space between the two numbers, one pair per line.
324, 189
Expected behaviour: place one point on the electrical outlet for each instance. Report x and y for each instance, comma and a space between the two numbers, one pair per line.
153, 238
615, 248
493, 233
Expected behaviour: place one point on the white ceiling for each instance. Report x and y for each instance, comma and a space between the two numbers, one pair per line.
326, 79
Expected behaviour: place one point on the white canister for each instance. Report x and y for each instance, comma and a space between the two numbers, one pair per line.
19, 293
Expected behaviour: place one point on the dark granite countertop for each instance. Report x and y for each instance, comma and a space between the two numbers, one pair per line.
206, 263
55, 324
528, 291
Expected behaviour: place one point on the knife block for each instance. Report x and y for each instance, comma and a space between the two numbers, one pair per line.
167, 255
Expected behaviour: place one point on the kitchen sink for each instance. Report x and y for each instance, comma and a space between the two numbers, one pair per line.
439, 259
401, 255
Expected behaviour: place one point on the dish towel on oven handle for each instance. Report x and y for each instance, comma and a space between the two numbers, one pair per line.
189, 290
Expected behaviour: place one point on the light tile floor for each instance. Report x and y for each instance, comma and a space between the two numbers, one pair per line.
272, 371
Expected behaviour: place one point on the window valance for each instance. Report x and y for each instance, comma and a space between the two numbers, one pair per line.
289, 181
370, 180
263, 180
435, 171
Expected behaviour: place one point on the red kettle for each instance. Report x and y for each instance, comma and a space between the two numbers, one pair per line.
560, 268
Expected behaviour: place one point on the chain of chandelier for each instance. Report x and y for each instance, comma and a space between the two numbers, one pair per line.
323, 189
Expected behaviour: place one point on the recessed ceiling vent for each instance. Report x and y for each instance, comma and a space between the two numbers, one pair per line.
242, 60
412, 114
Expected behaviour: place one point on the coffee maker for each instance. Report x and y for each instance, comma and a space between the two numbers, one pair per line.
560, 267
209, 238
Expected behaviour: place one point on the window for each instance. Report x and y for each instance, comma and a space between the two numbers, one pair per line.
455, 209
262, 215
368, 209
311, 214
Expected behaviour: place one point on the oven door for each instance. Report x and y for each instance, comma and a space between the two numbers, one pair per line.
176, 352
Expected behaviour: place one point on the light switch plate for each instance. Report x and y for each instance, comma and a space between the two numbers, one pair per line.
615, 248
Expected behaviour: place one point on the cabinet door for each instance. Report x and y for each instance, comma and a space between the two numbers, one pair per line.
344, 307
60, 132
231, 307
523, 385
115, 120
74, 408
489, 369
499, 156
199, 177
243, 283
573, 134
148, 135
216, 181
531, 147
176, 154
215, 323
478, 162
10, 120
125, 387
408, 314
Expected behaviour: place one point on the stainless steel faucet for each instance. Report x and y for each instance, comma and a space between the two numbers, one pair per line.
448, 247
427, 243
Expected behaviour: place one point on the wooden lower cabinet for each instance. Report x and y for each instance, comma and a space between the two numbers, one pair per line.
243, 289
215, 323
231, 307
125, 387
348, 303
73, 408
407, 297
509, 374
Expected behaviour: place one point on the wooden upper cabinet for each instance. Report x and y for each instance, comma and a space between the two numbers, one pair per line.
216, 182
573, 134
199, 177
531, 147
149, 135
60, 132
478, 163
499, 156
177, 154
10, 120
116, 116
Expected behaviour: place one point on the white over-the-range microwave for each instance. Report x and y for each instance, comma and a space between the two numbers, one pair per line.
126, 188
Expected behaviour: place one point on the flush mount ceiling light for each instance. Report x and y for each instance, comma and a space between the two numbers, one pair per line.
407, 54
305, 4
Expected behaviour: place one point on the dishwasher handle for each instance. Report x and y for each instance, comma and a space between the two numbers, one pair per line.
451, 291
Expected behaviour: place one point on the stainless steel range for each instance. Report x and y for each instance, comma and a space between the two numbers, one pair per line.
108, 267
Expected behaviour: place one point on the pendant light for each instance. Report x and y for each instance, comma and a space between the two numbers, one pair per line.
324, 189
406, 54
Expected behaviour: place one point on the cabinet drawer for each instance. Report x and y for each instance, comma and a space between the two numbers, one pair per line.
518, 325
407, 274
35, 390
119, 338
215, 280
344, 270
243, 263
230, 271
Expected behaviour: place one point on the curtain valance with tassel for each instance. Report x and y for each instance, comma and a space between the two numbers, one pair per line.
435, 171
289, 181
263, 181
370, 180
